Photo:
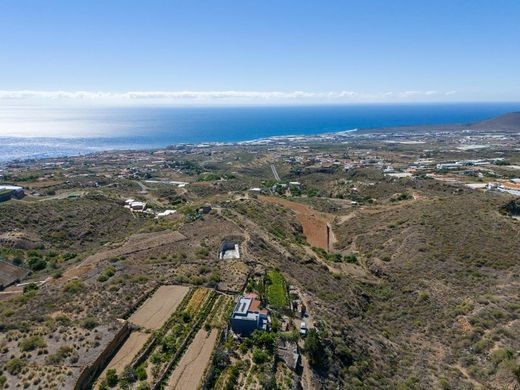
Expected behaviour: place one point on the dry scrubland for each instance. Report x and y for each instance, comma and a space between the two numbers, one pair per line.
418, 290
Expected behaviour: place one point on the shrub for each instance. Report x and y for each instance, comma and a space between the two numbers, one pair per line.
260, 356
141, 374
30, 287
263, 339
37, 263
516, 372
89, 323
31, 343
63, 319
74, 286
69, 256
111, 377
15, 366
107, 274
61, 354
314, 347
143, 386
351, 259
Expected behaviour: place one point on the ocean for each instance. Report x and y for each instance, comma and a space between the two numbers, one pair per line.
39, 132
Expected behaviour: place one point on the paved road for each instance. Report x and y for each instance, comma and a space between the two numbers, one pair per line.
275, 173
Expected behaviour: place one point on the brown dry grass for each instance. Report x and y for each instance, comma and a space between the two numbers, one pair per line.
127, 352
136, 243
188, 373
159, 307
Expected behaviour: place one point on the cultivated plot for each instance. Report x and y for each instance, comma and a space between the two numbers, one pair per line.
159, 307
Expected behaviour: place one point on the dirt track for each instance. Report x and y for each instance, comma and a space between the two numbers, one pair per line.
159, 307
314, 223
188, 373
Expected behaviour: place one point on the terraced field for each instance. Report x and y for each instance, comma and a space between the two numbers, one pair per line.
175, 355
159, 307
188, 373
127, 352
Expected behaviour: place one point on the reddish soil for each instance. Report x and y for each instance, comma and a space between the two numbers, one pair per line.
314, 223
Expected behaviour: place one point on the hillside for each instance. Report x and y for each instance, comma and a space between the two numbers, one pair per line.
509, 121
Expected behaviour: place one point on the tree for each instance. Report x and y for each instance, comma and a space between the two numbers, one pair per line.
314, 348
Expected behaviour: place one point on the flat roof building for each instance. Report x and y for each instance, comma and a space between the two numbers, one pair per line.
248, 317
8, 191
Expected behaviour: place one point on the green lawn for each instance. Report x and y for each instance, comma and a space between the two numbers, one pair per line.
276, 289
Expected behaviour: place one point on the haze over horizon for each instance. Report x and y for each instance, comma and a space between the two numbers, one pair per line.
164, 52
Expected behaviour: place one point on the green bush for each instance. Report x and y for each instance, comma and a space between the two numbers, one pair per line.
351, 259
314, 348
260, 356
69, 256
74, 286
62, 319
263, 339
30, 287
36, 263
15, 366
111, 378
106, 274
89, 323
141, 373
31, 343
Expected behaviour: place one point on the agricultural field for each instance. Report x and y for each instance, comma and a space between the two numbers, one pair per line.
276, 289
127, 352
179, 349
159, 307
187, 374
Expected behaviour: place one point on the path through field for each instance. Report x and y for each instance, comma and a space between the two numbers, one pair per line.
188, 373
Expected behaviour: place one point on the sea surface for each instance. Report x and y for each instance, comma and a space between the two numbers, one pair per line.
39, 132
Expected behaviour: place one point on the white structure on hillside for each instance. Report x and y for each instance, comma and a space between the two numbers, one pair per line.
229, 250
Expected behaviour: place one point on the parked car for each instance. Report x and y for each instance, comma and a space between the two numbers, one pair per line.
303, 328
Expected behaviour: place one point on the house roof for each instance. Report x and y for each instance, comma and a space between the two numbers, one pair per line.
255, 305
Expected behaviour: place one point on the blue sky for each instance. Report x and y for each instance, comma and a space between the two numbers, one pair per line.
232, 51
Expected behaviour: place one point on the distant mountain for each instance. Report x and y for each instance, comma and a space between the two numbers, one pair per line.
509, 121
